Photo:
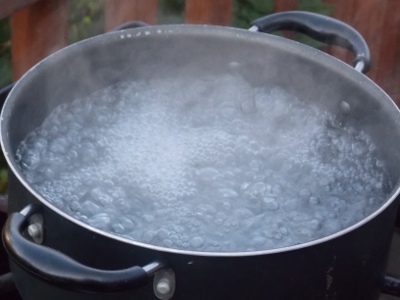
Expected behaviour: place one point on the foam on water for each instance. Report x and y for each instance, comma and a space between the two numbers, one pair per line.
206, 165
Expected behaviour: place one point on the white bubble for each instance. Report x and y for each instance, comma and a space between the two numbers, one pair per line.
359, 148
314, 200
30, 159
243, 213
168, 243
228, 193
101, 220
284, 231
118, 228
196, 242
75, 206
100, 197
89, 208
208, 174
270, 203
148, 236
291, 205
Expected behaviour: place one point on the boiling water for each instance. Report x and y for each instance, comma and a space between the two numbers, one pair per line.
206, 165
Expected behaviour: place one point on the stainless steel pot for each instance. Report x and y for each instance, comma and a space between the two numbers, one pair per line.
54, 256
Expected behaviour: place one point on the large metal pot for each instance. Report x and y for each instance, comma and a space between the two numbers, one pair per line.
53, 256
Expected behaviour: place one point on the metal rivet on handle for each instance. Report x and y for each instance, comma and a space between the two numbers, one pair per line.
360, 66
254, 28
163, 287
164, 284
36, 228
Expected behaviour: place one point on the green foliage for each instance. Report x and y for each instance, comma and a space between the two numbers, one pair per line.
317, 6
86, 19
246, 11
171, 11
171, 7
5, 53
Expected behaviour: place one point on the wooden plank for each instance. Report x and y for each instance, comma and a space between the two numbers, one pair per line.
216, 12
285, 5
36, 32
122, 11
368, 20
388, 62
9, 7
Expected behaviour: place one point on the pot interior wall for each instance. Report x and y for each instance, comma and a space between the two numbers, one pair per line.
194, 52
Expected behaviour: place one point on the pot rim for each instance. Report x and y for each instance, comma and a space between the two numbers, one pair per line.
291, 47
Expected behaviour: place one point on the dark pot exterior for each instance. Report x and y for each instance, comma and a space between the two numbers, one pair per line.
348, 267
351, 266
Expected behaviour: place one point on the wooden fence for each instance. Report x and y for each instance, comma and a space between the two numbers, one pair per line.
40, 27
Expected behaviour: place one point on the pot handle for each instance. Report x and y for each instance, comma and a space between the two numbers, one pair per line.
61, 270
131, 24
3, 203
321, 28
391, 286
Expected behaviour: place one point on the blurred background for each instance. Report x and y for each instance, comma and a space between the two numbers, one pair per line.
30, 30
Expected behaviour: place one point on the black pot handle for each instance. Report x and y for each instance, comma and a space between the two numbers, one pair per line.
321, 28
62, 271
3, 203
391, 286
131, 24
